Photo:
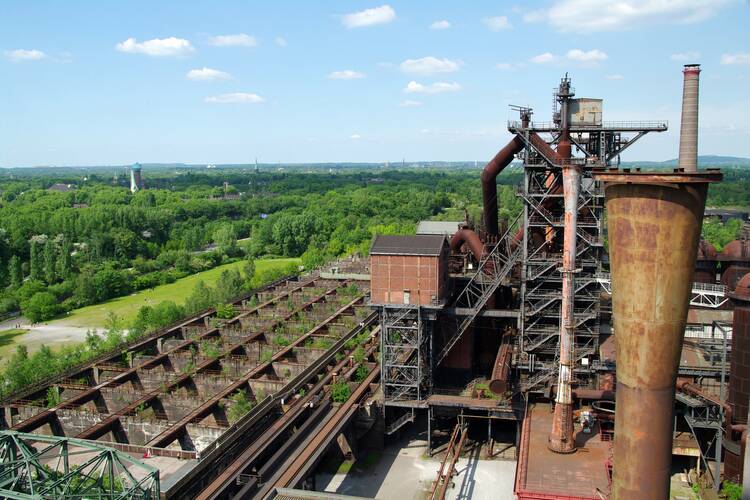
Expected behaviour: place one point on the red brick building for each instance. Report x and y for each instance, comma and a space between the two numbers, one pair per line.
409, 270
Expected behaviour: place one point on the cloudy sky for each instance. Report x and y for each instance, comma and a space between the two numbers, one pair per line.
92, 82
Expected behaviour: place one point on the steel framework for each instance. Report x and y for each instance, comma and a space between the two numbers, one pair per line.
543, 221
35, 466
405, 348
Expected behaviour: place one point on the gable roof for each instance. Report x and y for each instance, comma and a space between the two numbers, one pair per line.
420, 244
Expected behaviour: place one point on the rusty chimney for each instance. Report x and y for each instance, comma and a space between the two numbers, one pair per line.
562, 438
654, 223
689, 126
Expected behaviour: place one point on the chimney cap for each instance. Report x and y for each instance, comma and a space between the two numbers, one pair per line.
692, 68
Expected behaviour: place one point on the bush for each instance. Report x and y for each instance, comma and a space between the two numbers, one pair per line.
225, 311
361, 373
340, 392
41, 307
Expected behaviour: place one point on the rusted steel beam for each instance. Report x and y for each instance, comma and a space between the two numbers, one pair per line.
220, 486
171, 433
654, 229
105, 425
32, 423
82, 370
295, 471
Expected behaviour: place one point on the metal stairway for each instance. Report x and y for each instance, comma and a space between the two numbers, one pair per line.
494, 267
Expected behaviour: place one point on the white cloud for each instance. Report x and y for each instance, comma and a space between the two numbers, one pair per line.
280, 41
586, 16
615, 76
346, 74
685, 56
429, 65
18, 55
238, 40
235, 97
369, 17
545, 58
738, 58
509, 66
435, 88
354, 137
207, 74
410, 104
158, 47
497, 23
590, 57
440, 25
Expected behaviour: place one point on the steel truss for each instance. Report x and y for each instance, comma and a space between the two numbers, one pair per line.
543, 222
35, 466
405, 348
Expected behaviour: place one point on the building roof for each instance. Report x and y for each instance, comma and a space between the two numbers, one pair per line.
420, 244
438, 227
61, 187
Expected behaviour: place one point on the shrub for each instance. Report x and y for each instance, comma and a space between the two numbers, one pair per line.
340, 392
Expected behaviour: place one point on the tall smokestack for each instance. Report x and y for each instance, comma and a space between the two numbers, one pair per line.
562, 438
654, 224
689, 127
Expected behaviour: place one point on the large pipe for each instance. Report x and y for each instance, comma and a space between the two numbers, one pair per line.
562, 438
689, 127
654, 223
489, 182
471, 239
501, 370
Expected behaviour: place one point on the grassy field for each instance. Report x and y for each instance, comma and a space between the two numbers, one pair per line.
127, 307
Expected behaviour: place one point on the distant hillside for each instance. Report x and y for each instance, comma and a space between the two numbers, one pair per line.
703, 161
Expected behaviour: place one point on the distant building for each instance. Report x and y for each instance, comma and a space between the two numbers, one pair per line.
136, 181
725, 214
448, 228
61, 188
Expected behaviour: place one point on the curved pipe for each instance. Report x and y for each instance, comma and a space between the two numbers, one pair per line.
489, 181
471, 239
694, 390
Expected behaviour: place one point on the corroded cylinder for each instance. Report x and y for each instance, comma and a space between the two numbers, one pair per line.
654, 228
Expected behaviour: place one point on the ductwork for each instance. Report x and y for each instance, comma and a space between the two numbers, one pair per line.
472, 241
654, 222
489, 182
688, 160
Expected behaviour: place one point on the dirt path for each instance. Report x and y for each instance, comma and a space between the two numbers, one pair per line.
54, 335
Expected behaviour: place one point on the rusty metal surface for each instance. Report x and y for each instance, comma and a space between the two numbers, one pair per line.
501, 370
654, 229
561, 439
739, 373
543, 474
489, 182
471, 239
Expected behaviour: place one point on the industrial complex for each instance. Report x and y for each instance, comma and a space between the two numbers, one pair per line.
594, 333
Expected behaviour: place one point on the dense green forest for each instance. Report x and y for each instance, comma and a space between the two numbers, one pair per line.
63, 248
92, 240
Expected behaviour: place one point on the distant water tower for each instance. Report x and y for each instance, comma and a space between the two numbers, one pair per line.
136, 182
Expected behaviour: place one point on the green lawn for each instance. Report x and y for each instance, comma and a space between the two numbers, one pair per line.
127, 307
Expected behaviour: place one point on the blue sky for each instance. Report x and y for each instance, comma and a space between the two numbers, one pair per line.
92, 82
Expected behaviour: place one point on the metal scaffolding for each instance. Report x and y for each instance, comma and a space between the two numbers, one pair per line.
405, 348
543, 221
36, 466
